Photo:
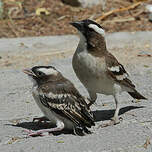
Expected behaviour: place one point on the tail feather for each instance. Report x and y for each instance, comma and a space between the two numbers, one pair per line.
81, 131
137, 95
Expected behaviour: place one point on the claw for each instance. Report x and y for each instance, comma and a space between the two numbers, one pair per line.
59, 127
32, 133
112, 122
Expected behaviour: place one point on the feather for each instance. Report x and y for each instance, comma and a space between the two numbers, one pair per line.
117, 72
62, 97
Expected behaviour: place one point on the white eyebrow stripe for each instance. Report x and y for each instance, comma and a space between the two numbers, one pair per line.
48, 71
97, 29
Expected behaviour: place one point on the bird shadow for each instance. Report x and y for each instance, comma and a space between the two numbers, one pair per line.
101, 115
38, 126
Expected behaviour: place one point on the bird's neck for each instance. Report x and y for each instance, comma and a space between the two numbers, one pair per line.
82, 46
97, 41
94, 44
51, 79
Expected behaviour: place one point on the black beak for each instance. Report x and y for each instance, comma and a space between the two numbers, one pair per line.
78, 25
29, 72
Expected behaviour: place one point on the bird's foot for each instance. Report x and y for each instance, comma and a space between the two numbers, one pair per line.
116, 120
33, 133
113, 121
42, 131
40, 119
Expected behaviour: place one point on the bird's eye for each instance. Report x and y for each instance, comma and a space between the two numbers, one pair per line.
40, 73
90, 29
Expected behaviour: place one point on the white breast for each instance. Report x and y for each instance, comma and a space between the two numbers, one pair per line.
46, 111
51, 115
92, 73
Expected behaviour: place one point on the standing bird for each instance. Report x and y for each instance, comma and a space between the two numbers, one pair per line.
59, 101
98, 69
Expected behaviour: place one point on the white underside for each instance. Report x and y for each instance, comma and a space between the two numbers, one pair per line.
86, 75
92, 74
51, 115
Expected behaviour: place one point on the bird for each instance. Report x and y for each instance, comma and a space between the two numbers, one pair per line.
97, 69
59, 101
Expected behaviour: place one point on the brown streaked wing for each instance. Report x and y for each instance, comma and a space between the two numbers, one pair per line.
70, 107
120, 74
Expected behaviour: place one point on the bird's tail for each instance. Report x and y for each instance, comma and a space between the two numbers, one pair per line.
81, 131
137, 95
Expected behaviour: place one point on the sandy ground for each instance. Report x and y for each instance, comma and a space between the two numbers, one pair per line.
18, 107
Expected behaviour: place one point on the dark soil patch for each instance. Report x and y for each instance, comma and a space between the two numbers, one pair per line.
19, 19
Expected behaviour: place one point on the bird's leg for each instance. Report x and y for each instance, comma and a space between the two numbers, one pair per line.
93, 97
60, 126
115, 118
40, 119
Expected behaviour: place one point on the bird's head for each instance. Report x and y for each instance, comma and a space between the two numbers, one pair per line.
86, 27
91, 32
42, 74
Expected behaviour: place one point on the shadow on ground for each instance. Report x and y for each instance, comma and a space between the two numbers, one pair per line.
38, 126
101, 115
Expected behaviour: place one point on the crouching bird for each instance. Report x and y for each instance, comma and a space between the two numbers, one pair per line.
59, 101
98, 69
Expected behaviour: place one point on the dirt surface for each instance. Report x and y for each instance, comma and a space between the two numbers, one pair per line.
18, 108
26, 52
20, 20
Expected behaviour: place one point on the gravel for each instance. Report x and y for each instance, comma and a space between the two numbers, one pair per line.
18, 107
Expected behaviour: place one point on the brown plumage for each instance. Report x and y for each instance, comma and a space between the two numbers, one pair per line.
97, 48
60, 101
98, 69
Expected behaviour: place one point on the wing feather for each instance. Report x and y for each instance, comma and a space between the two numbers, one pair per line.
69, 106
117, 72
